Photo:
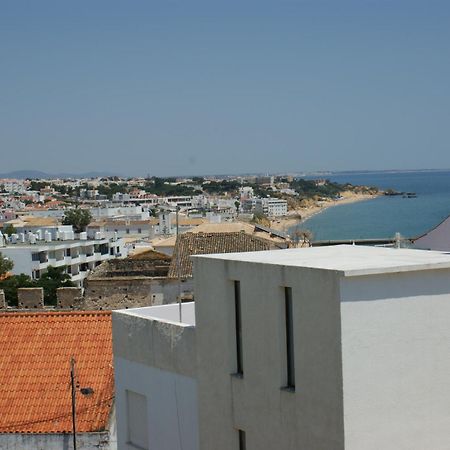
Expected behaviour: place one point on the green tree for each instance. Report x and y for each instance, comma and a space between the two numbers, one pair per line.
51, 280
5, 264
78, 218
37, 185
11, 284
237, 205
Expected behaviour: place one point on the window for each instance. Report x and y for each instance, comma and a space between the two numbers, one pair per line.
242, 440
290, 363
128, 231
137, 420
139, 230
238, 324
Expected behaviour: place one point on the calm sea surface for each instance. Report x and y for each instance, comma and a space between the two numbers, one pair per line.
384, 216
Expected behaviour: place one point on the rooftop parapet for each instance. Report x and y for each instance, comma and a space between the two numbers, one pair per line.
156, 337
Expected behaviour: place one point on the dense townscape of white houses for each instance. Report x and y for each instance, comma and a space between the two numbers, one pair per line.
224, 334
33, 237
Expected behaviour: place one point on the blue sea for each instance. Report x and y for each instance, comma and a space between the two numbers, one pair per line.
382, 217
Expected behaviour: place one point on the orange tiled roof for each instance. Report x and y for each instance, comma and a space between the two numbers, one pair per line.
35, 353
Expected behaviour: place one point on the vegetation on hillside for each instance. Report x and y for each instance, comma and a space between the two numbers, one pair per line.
168, 187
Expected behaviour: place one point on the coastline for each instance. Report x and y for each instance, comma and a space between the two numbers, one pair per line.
299, 215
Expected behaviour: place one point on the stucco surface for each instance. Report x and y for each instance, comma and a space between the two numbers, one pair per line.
172, 421
396, 361
157, 358
91, 441
310, 417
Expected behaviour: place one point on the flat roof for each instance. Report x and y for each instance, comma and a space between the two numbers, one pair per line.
348, 260
165, 313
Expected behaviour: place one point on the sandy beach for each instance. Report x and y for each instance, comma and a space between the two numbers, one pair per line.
301, 214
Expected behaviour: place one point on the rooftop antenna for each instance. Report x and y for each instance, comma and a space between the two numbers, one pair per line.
74, 410
180, 313
85, 391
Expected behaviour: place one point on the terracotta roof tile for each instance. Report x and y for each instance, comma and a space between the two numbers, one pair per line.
35, 353
189, 244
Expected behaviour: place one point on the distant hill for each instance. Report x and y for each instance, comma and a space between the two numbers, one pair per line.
36, 174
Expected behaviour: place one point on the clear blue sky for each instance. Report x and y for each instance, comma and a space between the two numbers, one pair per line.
185, 87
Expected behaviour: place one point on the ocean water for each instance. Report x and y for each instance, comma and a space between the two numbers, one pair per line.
382, 217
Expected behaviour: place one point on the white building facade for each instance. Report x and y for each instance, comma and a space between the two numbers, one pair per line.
326, 348
156, 387
79, 256
272, 207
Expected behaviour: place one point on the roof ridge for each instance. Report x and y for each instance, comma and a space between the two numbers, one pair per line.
54, 313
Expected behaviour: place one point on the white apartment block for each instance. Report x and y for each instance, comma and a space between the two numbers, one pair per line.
271, 207
332, 348
120, 212
246, 192
13, 186
142, 197
182, 201
32, 254
130, 229
41, 212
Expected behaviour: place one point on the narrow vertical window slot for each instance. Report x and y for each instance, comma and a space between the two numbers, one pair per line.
242, 440
238, 323
290, 360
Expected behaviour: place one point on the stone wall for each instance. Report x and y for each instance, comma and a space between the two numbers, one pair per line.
69, 298
132, 268
132, 292
107, 294
30, 298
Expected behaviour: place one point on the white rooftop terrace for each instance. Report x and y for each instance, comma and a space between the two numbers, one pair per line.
348, 260
166, 313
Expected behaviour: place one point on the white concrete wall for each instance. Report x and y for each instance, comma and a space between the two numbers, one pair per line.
396, 361
273, 418
85, 441
171, 405
157, 359
21, 257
